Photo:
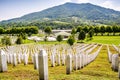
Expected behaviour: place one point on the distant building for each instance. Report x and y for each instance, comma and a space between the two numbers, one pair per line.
56, 31
63, 33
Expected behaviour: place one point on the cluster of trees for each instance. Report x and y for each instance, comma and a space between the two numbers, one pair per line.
98, 29
6, 40
21, 34
18, 30
107, 29
54, 25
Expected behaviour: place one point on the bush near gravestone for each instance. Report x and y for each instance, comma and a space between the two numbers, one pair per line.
48, 30
23, 35
45, 39
29, 34
6, 40
71, 40
19, 40
59, 38
90, 33
73, 31
81, 35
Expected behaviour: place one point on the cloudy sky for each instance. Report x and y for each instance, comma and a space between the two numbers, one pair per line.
15, 8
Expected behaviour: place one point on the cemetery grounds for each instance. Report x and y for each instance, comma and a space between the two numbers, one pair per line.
99, 69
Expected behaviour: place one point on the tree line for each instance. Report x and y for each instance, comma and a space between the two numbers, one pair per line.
100, 29
18, 30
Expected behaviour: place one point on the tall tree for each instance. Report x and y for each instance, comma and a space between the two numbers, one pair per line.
102, 30
48, 30
79, 28
91, 33
96, 29
115, 28
109, 30
73, 31
81, 35
85, 29
71, 40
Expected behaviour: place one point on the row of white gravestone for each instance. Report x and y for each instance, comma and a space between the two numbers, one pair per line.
41, 61
109, 54
57, 58
91, 49
17, 58
116, 48
80, 60
114, 59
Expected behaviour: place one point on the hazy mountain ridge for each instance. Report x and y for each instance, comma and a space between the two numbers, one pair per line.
67, 11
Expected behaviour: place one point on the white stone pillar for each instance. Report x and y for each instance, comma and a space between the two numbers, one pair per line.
25, 58
3, 61
14, 60
75, 62
115, 62
52, 60
68, 64
63, 59
19, 58
119, 61
11, 58
58, 59
82, 60
43, 65
35, 61
79, 61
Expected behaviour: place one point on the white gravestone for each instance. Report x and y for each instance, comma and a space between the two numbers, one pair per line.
19, 58
35, 61
79, 61
3, 61
25, 58
52, 60
43, 65
68, 64
75, 62
14, 60
63, 59
58, 59
115, 62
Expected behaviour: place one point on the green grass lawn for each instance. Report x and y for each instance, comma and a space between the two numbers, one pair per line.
100, 69
96, 39
106, 40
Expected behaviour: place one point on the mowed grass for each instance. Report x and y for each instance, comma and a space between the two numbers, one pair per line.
96, 39
100, 69
106, 40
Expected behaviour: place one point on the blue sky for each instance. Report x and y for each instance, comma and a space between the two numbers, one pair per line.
16, 8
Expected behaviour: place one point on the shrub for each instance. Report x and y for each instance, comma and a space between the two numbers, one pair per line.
6, 40
19, 40
59, 38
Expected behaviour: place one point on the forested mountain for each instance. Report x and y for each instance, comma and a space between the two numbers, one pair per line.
72, 12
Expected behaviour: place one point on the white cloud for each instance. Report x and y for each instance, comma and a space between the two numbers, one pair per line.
109, 4
80, 1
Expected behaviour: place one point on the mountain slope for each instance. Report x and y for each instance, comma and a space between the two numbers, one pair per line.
69, 11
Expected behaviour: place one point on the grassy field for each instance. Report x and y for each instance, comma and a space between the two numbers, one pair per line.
106, 40
96, 39
100, 69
